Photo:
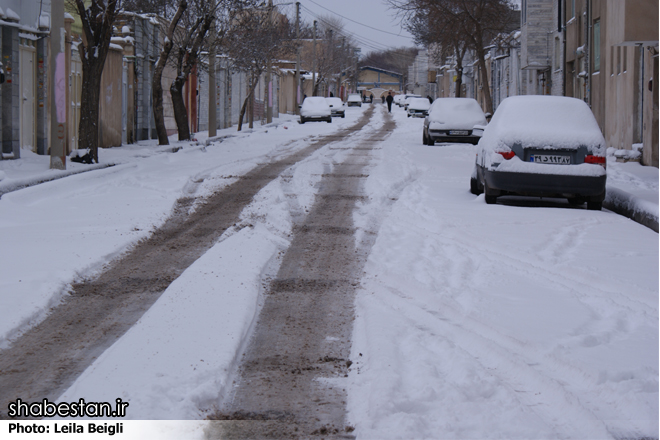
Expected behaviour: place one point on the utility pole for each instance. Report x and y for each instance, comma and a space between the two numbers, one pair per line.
314, 64
297, 88
269, 83
341, 57
332, 56
58, 83
213, 91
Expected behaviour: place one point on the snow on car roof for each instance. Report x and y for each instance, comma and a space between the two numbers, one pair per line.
419, 103
315, 102
463, 113
543, 121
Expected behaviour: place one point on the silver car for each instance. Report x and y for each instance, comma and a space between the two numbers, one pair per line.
542, 146
454, 120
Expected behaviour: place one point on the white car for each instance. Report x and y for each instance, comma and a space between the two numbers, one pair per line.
337, 106
454, 120
315, 108
418, 107
354, 100
404, 103
542, 146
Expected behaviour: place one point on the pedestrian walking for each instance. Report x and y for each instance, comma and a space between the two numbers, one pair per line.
389, 100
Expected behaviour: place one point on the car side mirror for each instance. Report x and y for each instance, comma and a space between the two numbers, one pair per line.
488, 116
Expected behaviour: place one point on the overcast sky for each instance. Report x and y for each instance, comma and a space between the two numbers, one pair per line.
371, 23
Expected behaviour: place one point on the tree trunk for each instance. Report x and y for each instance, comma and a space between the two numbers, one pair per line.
157, 85
88, 129
187, 60
179, 105
484, 81
248, 100
459, 80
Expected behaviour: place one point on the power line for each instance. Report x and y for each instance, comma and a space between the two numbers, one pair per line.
371, 44
361, 24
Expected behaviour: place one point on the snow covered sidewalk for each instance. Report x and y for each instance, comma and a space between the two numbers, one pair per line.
632, 191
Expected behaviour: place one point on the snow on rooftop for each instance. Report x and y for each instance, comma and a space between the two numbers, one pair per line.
11, 15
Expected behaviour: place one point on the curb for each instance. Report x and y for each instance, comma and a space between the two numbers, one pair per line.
627, 205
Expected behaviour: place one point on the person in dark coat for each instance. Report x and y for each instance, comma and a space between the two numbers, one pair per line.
389, 100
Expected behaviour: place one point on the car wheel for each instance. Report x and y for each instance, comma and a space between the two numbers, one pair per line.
474, 186
490, 198
302, 120
329, 120
425, 140
342, 115
594, 206
430, 141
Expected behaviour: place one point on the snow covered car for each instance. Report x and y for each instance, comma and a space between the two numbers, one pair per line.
454, 120
405, 102
543, 146
354, 99
315, 108
337, 107
418, 107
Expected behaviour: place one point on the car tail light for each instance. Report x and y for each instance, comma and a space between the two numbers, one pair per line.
600, 160
507, 154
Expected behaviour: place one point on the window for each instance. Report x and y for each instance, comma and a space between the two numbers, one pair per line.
523, 11
612, 60
618, 60
597, 46
572, 11
557, 63
625, 59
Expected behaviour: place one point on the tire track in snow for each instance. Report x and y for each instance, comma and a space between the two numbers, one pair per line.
45, 360
290, 381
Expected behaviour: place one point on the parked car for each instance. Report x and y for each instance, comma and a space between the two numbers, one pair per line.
418, 107
397, 99
315, 108
337, 106
406, 101
453, 120
402, 98
544, 146
354, 99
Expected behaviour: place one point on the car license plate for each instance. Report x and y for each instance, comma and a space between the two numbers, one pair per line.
551, 159
458, 132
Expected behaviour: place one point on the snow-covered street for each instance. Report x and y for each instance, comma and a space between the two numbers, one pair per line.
524, 319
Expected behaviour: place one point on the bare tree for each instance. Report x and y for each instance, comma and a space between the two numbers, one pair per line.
197, 22
157, 85
443, 32
476, 21
97, 22
258, 35
334, 48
